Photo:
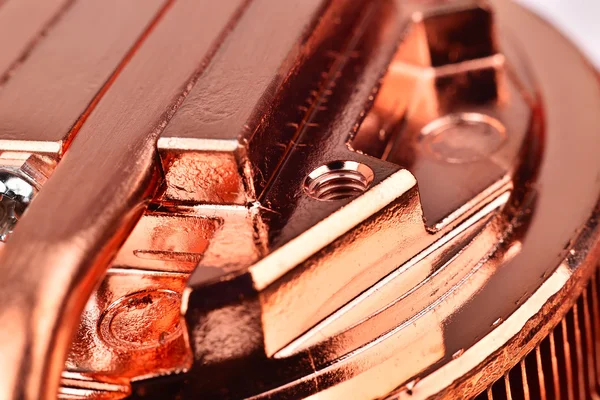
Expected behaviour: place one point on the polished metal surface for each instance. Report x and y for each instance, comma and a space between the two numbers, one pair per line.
16, 192
326, 199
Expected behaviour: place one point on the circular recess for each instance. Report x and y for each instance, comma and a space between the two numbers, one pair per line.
338, 180
463, 137
142, 320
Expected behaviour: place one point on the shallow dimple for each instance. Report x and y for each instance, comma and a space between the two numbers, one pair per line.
463, 138
142, 320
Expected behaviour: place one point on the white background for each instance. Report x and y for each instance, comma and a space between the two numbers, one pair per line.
577, 19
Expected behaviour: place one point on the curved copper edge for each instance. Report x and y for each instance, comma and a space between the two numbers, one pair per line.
564, 363
70, 233
476, 369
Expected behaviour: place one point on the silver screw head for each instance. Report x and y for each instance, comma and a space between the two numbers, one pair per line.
16, 192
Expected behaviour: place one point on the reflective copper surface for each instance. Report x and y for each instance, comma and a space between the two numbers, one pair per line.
42, 105
121, 180
329, 199
21, 25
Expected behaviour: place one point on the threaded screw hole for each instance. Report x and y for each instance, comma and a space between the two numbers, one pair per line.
338, 180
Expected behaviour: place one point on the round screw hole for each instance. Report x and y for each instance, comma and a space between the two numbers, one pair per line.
338, 180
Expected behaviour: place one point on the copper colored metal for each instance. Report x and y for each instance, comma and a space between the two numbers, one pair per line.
61, 79
21, 25
121, 179
330, 199
215, 150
